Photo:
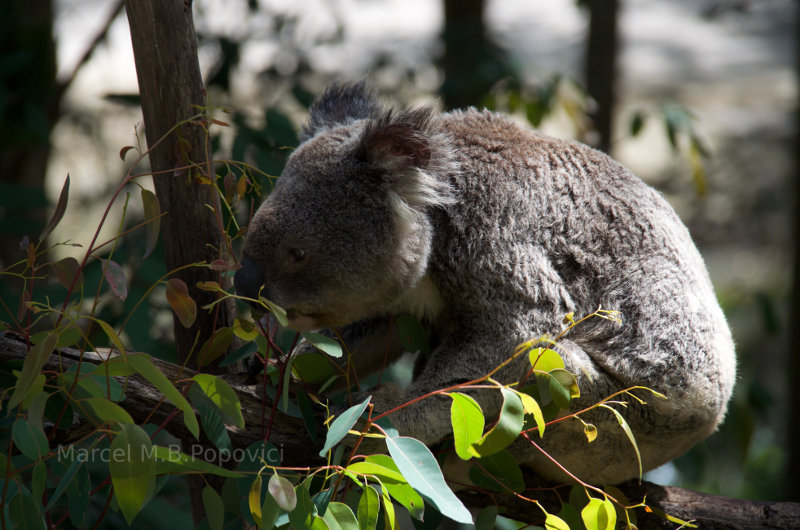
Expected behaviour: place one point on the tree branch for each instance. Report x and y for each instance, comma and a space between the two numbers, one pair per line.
144, 403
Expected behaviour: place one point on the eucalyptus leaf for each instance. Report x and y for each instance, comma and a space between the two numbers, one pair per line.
416, 462
507, 428
599, 514
29, 439
343, 424
144, 366
368, 509
31, 367
222, 395
326, 344
467, 420
132, 469
283, 492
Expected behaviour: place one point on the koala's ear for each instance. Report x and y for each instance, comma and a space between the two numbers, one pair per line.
397, 140
340, 104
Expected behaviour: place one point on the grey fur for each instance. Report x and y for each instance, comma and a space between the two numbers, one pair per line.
492, 233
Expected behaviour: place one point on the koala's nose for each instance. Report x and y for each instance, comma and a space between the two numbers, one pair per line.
249, 279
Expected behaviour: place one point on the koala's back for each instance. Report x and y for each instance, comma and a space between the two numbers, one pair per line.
542, 227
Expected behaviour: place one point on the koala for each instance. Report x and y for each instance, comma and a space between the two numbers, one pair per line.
490, 233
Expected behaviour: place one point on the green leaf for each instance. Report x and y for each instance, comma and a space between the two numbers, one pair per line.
29, 440
342, 424
303, 515
563, 387
416, 462
277, 311
58, 213
319, 524
307, 410
114, 367
368, 509
590, 431
340, 516
508, 427
31, 367
142, 363
599, 514
214, 507
269, 512
554, 522
326, 344
65, 482
217, 344
531, 407
254, 500
111, 334
34, 392
244, 352
214, 428
627, 429
222, 395
467, 419
376, 470
390, 519
401, 492
244, 329
115, 277
322, 499
87, 385
181, 303
108, 411
545, 359
408, 498
313, 367
283, 492
39, 479
23, 512
498, 472
132, 468
70, 336
152, 214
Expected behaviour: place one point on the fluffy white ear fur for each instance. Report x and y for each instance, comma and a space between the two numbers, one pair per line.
414, 163
410, 158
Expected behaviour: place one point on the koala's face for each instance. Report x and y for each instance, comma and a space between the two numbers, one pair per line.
324, 243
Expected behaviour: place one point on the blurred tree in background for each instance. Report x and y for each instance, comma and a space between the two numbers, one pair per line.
29, 106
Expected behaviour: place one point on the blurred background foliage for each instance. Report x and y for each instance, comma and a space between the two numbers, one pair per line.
701, 109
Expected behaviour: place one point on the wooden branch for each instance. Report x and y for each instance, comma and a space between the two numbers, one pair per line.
144, 403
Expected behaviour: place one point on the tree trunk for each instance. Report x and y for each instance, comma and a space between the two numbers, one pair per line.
171, 89
601, 65
471, 63
29, 111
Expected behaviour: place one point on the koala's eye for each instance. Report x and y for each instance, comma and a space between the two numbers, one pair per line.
297, 254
